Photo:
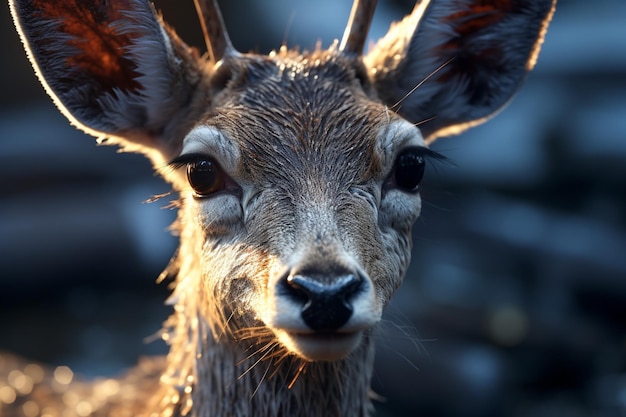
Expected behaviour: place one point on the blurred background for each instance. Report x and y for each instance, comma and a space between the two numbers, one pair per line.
515, 304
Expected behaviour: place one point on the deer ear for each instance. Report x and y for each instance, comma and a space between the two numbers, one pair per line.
451, 64
113, 69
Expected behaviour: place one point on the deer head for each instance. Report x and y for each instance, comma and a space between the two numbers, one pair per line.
298, 172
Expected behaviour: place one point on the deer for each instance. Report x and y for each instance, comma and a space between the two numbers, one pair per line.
297, 175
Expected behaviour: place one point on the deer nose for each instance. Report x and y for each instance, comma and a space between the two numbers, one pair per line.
325, 298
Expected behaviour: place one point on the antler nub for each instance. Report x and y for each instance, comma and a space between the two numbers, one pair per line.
214, 30
354, 37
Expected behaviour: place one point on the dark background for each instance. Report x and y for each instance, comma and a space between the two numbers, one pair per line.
515, 304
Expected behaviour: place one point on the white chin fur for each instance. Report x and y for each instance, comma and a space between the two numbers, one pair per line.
316, 347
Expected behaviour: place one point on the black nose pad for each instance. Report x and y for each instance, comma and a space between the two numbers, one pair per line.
326, 300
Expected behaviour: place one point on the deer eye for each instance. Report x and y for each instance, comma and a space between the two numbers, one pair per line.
408, 170
205, 176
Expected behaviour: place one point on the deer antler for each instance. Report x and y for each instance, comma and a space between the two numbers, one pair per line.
358, 26
214, 30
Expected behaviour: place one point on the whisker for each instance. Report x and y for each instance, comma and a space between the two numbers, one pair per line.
254, 364
173, 204
429, 76
279, 362
407, 360
267, 369
157, 197
297, 375
257, 351
291, 363
278, 354
223, 322
408, 332
424, 121
252, 332
232, 314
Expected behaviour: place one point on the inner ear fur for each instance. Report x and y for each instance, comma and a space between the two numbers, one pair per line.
451, 64
114, 69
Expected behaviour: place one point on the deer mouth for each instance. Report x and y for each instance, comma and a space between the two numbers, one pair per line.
321, 346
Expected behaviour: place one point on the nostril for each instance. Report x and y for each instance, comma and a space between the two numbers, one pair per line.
326, 303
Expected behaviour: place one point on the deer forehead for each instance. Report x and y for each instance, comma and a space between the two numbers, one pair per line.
289, 117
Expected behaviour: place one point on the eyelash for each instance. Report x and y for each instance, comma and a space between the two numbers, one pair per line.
407, 171
184, 160
428, 154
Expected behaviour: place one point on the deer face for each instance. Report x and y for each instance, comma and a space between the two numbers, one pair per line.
298, 174
305, 189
